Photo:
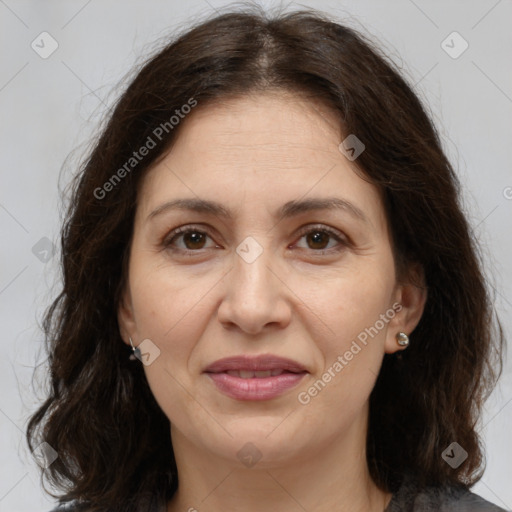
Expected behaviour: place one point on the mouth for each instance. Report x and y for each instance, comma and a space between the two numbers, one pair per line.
255, 378
255, 364
249, 374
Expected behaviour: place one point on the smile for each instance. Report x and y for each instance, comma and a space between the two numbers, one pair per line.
255, 377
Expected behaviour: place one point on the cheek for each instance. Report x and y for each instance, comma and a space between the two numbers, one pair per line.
347, 304
169, 312
164, 299
351, 308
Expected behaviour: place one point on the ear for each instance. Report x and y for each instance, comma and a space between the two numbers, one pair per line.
126, 318
410, 299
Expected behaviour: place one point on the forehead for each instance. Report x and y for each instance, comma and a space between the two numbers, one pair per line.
276, 124
272, 148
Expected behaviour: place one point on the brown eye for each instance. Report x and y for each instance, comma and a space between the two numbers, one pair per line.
321, 240
184, 239
317, 239
194, 240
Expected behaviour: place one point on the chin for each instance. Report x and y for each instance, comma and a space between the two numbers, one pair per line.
266, 441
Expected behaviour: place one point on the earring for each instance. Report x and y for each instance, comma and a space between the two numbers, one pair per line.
402, 339
136, 352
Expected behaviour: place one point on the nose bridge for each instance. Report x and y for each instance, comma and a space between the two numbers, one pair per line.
254, 296
252, 275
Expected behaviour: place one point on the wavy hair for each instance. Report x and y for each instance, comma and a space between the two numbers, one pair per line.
112, 438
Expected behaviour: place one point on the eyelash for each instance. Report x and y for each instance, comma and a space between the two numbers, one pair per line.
338, 237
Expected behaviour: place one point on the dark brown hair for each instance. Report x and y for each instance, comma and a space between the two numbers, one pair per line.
112, 438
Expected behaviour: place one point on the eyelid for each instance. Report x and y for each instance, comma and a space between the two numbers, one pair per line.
342, 241
338, 235
187, 228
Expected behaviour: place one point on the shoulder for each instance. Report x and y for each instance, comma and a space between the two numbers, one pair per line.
148, 503
448, 500
151, 504
439, 499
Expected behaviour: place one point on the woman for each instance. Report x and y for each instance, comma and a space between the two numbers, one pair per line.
272, 300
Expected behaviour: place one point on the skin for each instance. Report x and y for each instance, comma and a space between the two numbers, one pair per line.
305, 297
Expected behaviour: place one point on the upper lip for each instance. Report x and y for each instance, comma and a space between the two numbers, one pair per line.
255, 363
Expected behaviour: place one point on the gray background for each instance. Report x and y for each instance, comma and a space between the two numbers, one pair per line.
51, 106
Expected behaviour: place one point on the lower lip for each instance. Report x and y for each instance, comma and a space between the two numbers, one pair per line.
264, 388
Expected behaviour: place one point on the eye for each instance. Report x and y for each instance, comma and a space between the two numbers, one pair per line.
321, 239
189, 239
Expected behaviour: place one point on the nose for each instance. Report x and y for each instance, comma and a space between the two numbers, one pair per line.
256, 297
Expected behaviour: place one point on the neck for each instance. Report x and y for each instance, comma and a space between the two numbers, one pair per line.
334, 477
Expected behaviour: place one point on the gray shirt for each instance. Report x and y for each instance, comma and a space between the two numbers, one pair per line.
408, 499
438, 499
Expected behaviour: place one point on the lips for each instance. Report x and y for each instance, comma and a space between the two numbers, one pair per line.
255, 378
248, 374
261, 363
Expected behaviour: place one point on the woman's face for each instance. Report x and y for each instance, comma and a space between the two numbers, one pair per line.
255, 237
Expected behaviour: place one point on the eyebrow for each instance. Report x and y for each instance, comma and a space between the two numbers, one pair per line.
289, 209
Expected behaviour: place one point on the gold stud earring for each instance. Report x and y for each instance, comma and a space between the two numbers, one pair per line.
402, 339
